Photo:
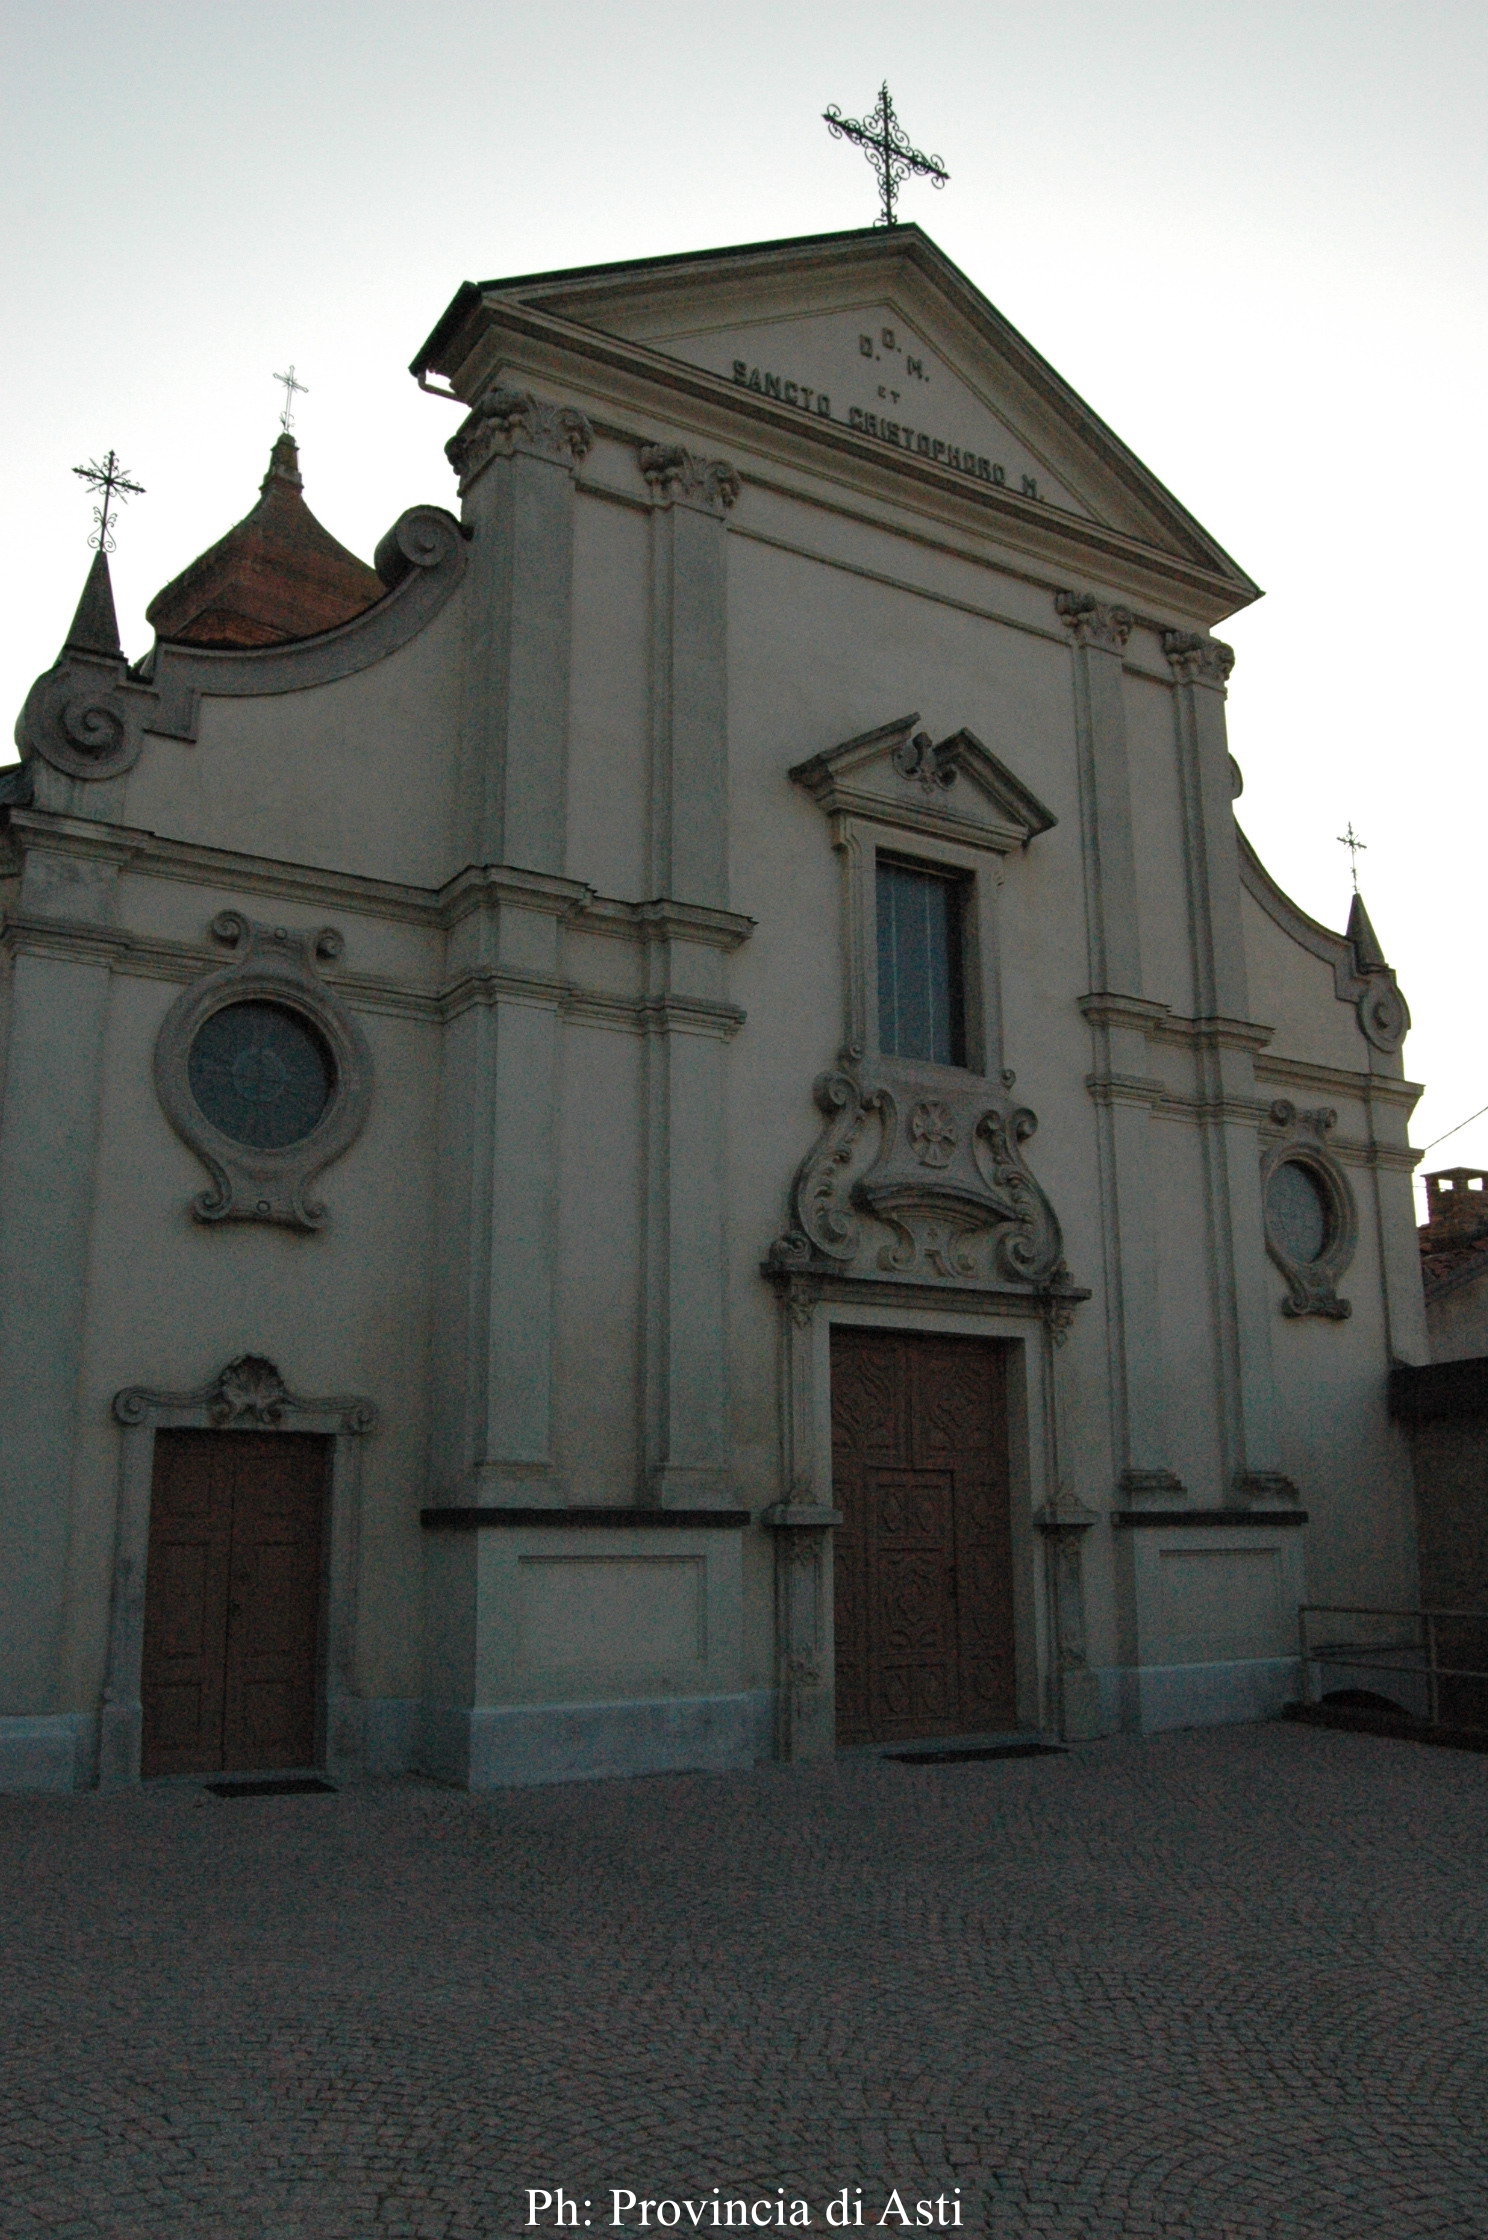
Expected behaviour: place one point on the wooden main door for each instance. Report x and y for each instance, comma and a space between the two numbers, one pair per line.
923, 1570
232, 1600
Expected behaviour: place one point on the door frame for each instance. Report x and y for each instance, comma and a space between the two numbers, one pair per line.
806, 1519
247, 1394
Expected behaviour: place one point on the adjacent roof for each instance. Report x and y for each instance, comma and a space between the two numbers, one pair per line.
277, 575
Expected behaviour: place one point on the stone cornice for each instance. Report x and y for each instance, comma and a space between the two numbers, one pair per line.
476, 887
143, 956
627, 383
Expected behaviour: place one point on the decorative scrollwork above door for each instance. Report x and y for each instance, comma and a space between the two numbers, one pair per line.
921, 1182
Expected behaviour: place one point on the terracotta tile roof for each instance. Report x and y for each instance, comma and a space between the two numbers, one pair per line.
277, 575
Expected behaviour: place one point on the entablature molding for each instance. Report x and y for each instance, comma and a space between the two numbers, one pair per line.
625, 384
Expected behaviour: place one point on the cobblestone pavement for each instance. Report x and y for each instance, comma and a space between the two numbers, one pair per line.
1225, 1985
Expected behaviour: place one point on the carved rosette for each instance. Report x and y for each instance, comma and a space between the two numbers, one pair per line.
921, 1184
1197, 660
1090, 623
506, 420
676, 476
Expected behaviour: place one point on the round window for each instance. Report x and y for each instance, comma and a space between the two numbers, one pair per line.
261, 1073
1300, 1212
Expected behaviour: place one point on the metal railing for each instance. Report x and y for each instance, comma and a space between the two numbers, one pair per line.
1418, 1661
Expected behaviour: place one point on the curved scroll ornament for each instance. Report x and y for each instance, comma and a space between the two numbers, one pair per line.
264, 1073
85, 716
923, 1186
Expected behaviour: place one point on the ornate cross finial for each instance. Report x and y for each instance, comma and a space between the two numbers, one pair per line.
1350, 840
110, 480
292, 389
887, 147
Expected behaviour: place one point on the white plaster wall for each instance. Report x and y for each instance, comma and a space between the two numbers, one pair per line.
356, 775
169, 1301
609, 707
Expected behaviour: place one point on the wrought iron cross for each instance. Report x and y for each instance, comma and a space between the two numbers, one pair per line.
887, 147
1350, 840
109, 480
292, 389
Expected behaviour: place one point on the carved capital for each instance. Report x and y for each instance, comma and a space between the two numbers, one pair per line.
1090, 623
1196, 660
506, 420
677, 476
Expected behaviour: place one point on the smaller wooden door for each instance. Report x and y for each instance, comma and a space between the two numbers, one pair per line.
923, 1574
232, 1601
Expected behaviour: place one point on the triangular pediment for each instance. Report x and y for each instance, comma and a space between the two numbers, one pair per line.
875, 333
954, 788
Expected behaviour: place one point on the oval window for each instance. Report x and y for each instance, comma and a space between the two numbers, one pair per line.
262, 1074
1299, 1212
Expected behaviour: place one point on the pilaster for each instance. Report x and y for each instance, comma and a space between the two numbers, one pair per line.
1225, 1063
49, 1120
515, 456
684, 1380
1118, 1020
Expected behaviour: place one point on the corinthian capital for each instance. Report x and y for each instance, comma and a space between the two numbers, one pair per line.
675, 474
507, 420
1092, 624
1196, 660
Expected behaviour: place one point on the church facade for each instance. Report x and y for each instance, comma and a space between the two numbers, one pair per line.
681, 1128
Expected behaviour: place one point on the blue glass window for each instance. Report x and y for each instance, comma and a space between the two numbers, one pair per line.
921, 1004
261, 1073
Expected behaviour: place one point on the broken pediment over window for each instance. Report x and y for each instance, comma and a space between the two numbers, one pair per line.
919, 1177
954, 788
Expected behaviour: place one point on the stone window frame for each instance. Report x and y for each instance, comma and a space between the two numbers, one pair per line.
247, 1394
861, 842
273, 965
1311, 1284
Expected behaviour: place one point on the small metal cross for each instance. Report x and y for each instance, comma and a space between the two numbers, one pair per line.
292, 389
110, 480
1350, 840
887, 147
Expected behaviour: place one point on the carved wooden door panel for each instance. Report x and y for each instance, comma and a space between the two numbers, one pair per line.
232, 1602
923, 1566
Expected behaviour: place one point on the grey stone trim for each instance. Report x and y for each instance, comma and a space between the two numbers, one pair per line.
422, 559
495, 1746
47, 1753
1131, 1519
575, 1519
247, 1394
1154, 1698
277, 966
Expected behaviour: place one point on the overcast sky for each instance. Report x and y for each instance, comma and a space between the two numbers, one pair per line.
1250, 232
